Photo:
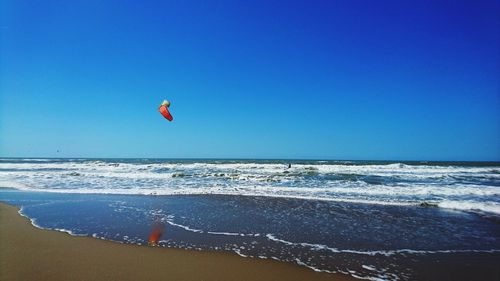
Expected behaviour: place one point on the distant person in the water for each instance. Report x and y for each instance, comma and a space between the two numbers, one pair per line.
289, 165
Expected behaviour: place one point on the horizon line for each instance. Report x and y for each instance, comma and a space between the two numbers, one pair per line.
258, 158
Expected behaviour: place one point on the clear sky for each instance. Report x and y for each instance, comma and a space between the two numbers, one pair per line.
326, 79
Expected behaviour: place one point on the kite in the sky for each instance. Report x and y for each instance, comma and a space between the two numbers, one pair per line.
164, 110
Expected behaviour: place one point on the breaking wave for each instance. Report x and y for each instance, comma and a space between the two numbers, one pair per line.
473, 187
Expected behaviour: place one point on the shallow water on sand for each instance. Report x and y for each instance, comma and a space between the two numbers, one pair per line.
369, 241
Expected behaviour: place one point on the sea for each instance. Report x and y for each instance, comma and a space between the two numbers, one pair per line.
373, 220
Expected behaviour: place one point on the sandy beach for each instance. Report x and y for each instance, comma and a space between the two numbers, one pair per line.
29, 253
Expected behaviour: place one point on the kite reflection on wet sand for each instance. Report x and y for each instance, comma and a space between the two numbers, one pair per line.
155, 235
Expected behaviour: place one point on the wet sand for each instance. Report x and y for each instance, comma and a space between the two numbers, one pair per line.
29, 253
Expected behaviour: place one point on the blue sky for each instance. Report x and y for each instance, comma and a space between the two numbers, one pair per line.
251, 79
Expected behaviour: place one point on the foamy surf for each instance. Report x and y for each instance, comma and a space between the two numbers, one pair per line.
472, 187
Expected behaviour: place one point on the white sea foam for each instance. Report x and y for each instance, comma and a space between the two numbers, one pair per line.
369, 267
457, 187
232, 234
13, 184
224, 233
35, 224
488, 207
190, 229
185, 227
317, 247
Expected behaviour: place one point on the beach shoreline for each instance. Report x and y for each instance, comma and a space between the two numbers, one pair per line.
30, 253
359, 219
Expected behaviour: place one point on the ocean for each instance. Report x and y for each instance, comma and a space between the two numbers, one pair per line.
375, 220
